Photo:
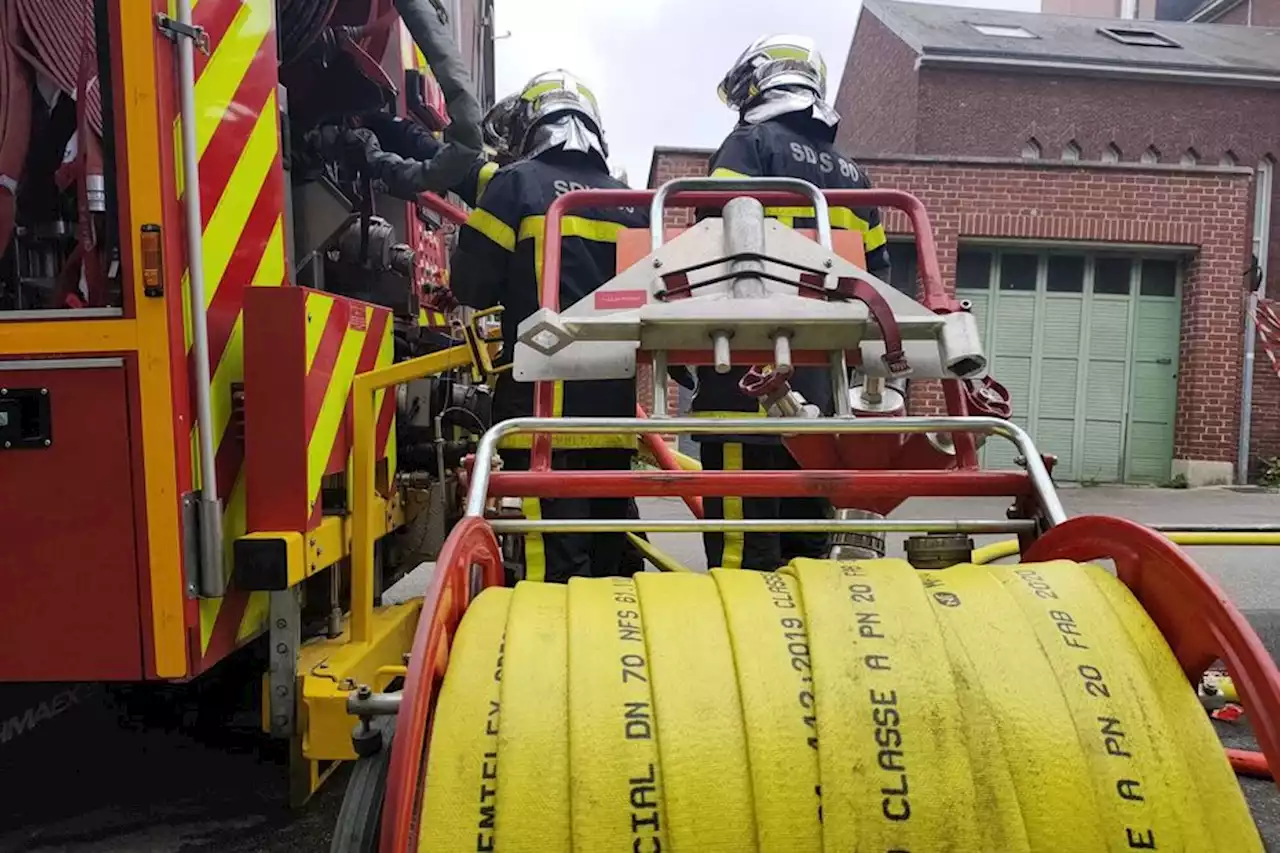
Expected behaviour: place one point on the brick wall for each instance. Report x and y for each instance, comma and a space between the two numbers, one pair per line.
1206, 210
880, 92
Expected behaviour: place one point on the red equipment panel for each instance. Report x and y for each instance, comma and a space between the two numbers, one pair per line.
303, 349
69, 598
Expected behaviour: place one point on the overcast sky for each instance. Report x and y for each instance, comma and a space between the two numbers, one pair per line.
655, 64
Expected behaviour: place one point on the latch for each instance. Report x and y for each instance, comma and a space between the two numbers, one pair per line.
173, 29
26, 418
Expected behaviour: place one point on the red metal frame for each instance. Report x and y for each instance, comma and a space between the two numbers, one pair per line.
1191, 611
471, 543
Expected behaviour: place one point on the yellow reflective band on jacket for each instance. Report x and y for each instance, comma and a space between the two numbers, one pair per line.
734, 541
535, 550
487, 171
709, 413
574, 441
722, 172
535, 228
841, 217
1027, 708
492, 227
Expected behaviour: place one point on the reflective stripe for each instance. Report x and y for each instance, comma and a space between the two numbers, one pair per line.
487, 171
577, 441
493, 228
535, 552
874, 239
731, 558
599, 230
535, 228
841, 217
712, 413
727, 173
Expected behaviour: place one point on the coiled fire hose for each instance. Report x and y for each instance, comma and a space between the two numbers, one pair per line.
829, 706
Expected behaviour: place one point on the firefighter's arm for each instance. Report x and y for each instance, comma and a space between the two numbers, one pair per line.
874, 242
400, 136
876, 246
473, 186
486, 243
429, 25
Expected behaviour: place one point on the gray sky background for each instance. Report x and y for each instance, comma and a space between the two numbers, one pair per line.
655, 64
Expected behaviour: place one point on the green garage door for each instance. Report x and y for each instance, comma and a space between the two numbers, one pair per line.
1087, 345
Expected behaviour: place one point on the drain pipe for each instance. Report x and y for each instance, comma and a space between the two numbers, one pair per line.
1246, 391
211, 581
1262, 189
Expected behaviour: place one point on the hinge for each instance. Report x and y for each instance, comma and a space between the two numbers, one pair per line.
173, 30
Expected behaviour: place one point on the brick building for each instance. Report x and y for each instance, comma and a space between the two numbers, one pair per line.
1092, 189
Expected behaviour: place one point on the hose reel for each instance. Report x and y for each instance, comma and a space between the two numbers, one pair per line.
831, 705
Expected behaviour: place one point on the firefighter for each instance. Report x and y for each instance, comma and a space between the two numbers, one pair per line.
398, 152
559, 139
785, 129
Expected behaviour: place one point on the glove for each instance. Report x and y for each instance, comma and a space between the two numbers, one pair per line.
441, 298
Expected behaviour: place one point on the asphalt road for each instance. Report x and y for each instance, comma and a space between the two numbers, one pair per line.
141, 771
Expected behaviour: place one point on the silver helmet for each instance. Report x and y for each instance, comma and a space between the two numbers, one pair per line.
497, 128
776, 75
558, 111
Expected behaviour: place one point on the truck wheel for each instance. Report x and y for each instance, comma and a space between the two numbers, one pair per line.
360, 817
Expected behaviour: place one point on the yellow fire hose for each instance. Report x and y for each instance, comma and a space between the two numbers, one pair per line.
830, 706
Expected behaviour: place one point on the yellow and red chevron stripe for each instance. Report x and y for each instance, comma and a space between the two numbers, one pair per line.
355, 339
242, 205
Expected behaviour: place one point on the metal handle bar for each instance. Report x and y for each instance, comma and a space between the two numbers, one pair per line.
764, 525
934, 294
446, 210
1041, 482
738, 185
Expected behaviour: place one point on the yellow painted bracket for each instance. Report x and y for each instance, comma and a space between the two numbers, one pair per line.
329, 669
484, 347
368, 517
276, 560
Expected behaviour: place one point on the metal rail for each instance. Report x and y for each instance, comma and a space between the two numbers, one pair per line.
933, 293
1041, 482
212, 580
765, 525
822, 213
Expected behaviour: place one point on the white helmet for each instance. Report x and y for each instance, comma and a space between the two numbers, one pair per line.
557, 111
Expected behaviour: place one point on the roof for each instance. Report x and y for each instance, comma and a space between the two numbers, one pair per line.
949, 35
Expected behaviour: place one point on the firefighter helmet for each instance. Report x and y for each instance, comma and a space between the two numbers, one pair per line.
557, 111
774, 62
497, 128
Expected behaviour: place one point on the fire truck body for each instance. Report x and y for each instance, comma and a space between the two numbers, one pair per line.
110, 569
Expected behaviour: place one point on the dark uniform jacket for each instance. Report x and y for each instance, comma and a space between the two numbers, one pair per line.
499, 262
402, 138
791, 146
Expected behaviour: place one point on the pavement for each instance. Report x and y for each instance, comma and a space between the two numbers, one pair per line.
89, 769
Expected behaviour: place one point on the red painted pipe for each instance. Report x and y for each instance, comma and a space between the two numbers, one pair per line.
667, 461
450, 212
1247, 762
